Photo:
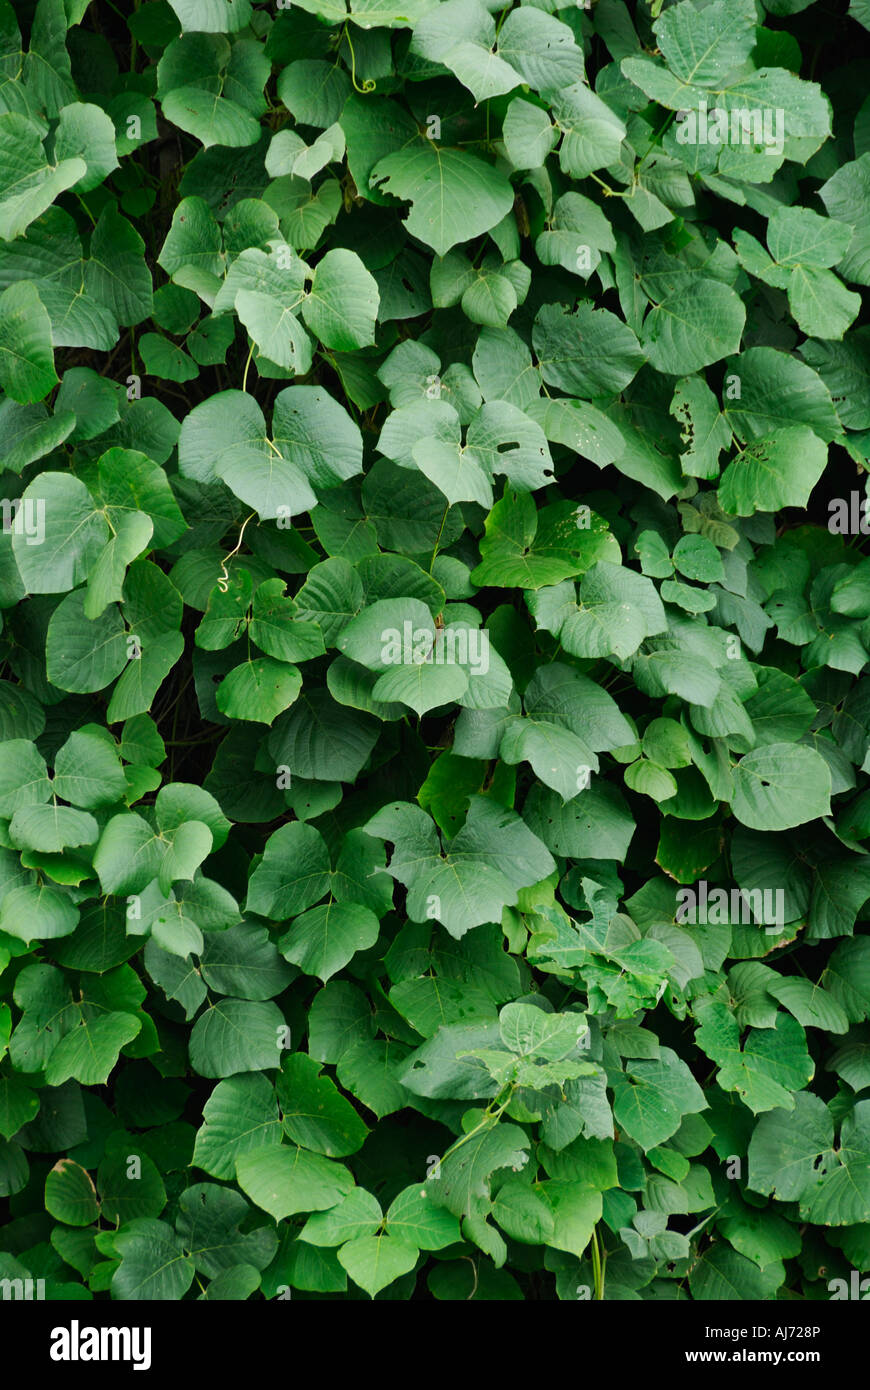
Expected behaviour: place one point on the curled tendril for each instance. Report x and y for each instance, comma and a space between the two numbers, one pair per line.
223, 582
367, 85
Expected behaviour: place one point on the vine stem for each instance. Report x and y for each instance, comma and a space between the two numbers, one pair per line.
490, 1118
247, 365
438, 540
608, 191
598, 1264
223, 582
368, 85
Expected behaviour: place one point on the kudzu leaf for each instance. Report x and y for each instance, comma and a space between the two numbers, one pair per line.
780, 786
236, 1035
90, 1052
153, 1263
285, 1180
259, 690
241, 1115
315, 1114
454, 196
374, 1262
26, 358
29, 180
323, 940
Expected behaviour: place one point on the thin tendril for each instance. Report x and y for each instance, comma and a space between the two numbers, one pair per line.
247, 365
368, 85
224, 577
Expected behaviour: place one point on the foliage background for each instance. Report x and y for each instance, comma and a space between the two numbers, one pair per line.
337, 978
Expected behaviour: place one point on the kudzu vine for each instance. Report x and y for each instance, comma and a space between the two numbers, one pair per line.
434, 719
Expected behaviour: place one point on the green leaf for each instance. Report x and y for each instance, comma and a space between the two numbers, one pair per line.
323, 940
691, 330
462, 38
772, 1063
780, 786
313, 91
651, 1101
342, 304
786, 1145
528, 134
70, 1195
463, 1186
240, 1116
597, 824
276, 628
144, 675
87, 771
526, 549
26, 358
236, 1035
84, 654
259, 690
589, 352
129, 1192
86, 132
316, 435
23, 779
543, 50
454, 196
592, 132
212, 89
90, 1052
843, 195
74, 535
212, 16
359, 1214
116, 272
50, 829
163, 359
699, 46
29, 181
18, 1105
128, 856
775, 472
724, 1273
841, 1197
374, 1262
286, 1180
492, 857
27, 433
293, 874
810, 1005
415, 1220
208, 1224
615, 610
194, 241
315, 1113
153, 1263
320, 739
242, 961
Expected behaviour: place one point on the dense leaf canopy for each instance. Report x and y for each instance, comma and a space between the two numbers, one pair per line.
434, 720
